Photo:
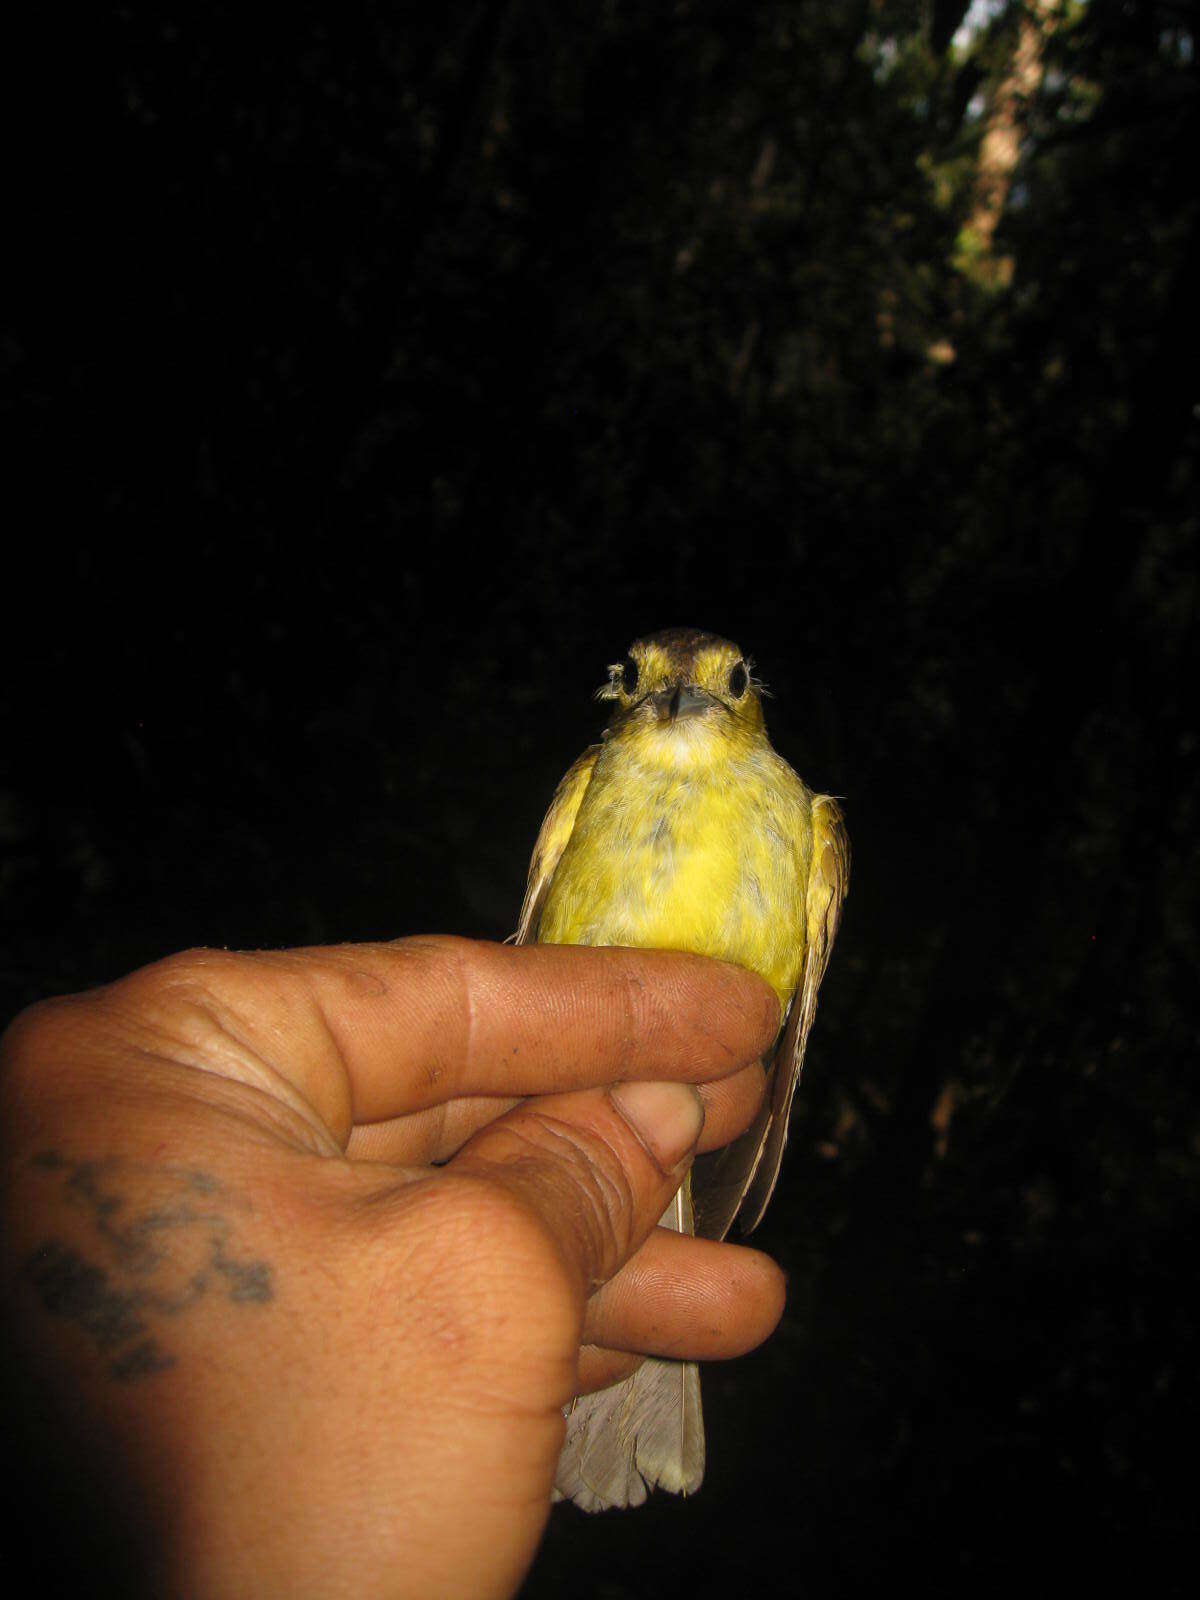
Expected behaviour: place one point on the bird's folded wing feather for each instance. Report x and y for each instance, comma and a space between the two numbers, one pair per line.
720, 1178
828, 883
737, 1181
557, 827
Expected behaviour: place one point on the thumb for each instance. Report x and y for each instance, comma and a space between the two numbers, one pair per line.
598, 1167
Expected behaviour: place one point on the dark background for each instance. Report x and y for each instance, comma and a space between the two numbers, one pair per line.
373, 381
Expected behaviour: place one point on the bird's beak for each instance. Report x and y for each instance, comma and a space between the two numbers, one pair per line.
679, 701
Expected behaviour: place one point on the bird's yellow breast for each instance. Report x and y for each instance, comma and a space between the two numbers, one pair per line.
690, 836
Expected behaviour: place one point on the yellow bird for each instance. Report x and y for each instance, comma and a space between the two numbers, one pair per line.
684, 830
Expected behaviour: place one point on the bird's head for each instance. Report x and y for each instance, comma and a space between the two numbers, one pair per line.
689, 685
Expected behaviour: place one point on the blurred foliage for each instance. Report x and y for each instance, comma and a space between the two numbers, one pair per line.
376, 378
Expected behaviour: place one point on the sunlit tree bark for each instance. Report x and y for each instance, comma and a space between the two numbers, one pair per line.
1000, 147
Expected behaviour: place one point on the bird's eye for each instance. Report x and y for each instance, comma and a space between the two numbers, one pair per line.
629, 675
738, 679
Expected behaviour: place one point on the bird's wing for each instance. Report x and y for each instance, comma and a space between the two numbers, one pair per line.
828, 883
556, 829
721, 1178
737, 1180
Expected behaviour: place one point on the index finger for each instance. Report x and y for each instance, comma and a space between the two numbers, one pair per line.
371, 1031
427, 1020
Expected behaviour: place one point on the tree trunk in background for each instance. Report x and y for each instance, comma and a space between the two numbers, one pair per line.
1000, 147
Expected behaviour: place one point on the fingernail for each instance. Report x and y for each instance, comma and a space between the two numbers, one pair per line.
667, 1118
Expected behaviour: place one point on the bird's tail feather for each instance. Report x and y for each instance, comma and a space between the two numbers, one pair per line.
642, 1433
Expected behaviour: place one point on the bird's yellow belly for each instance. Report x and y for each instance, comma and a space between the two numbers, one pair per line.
713, 865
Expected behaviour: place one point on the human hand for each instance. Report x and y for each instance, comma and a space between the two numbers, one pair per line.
303, 1358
